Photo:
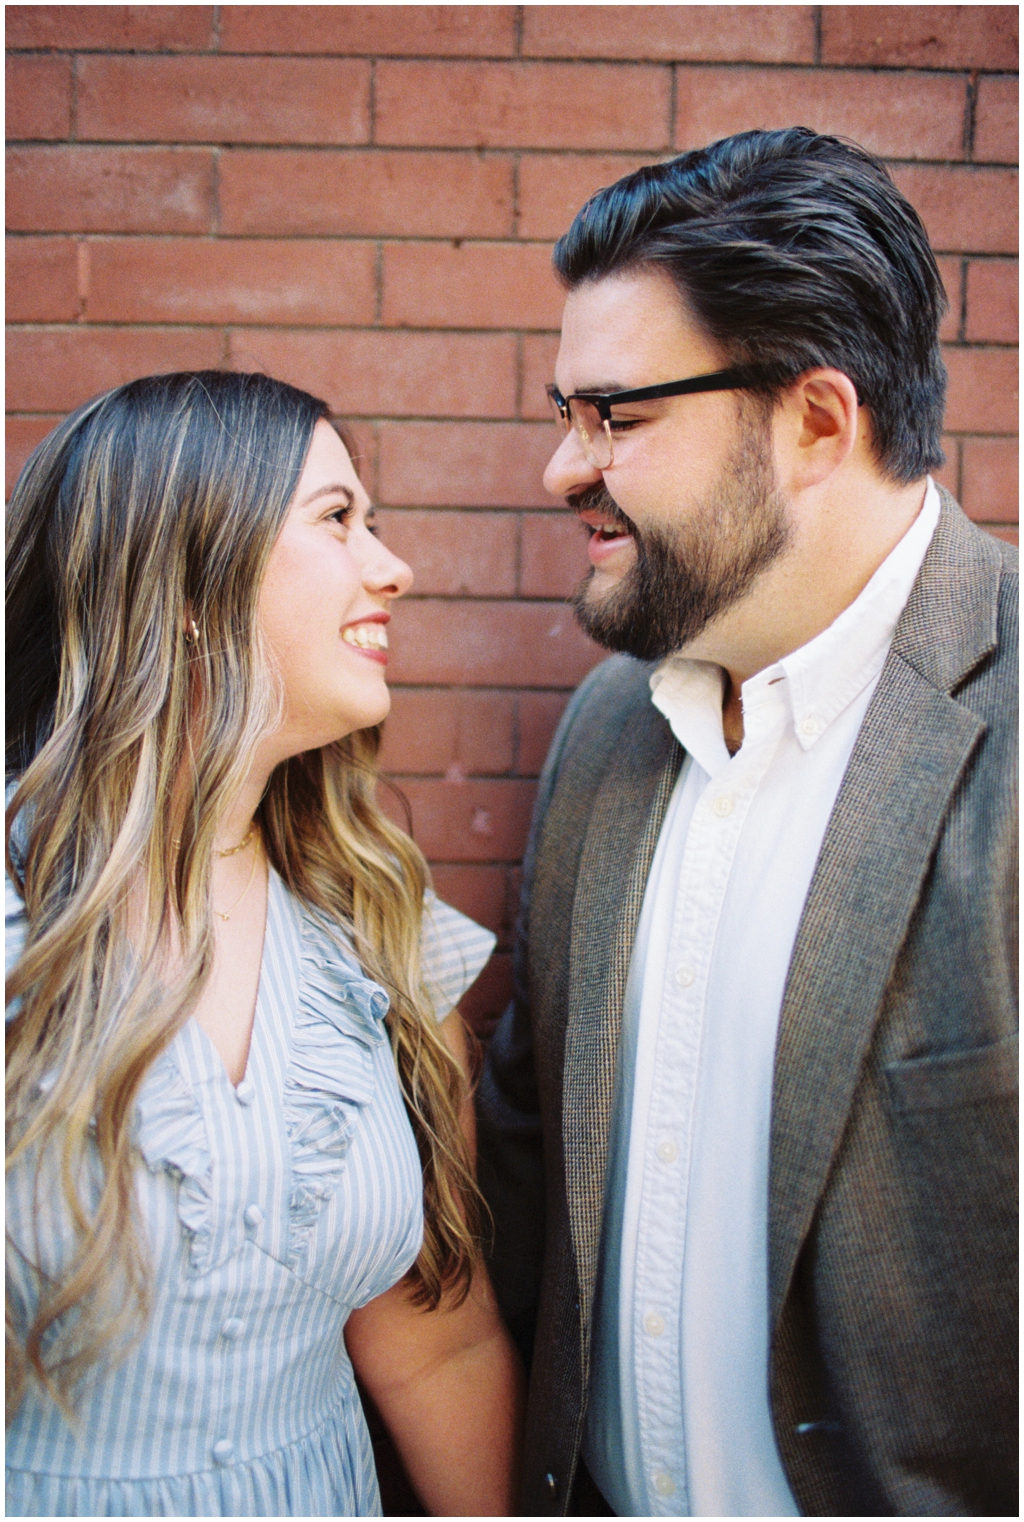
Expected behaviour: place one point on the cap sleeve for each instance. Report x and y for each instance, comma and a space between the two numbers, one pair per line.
453, 951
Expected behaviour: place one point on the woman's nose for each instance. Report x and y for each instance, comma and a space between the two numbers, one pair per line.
385, 574
569, 471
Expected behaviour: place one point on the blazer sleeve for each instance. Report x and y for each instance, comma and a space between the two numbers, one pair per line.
509, 1135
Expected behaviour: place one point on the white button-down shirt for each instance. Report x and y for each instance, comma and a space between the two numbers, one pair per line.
678, 1421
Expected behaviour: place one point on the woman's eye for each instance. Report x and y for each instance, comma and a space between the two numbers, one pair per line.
342, 515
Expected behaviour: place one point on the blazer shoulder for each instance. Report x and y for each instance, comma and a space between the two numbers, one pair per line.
616, 690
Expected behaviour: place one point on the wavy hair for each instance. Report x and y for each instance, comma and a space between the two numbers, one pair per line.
152, 505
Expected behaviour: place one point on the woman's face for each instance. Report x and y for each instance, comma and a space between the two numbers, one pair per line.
325, 603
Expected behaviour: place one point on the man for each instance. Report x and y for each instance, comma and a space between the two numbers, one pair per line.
748, 1129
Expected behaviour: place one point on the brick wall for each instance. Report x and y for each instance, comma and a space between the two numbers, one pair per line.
362, 200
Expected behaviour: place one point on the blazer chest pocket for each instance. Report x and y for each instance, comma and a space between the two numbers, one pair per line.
954, 1079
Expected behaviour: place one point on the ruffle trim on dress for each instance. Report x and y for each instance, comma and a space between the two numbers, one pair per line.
172, 1138
338, 1024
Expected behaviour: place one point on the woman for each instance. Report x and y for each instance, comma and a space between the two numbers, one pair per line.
235, 1125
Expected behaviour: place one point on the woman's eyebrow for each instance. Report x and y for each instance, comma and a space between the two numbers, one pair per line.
334, 490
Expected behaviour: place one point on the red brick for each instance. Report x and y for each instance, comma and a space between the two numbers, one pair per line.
454, 195
965, 210
483, 1005
553, 559
948, 475
465, 464
990, 492
23, 434
992, 287
489, 644
445, 30
224, 100
480, 821
540, 350
455, 554
474, 285
951, 270
231, 280
539, 713
689, 33
42, 280
995, 120
55, 369
131, 28
982, 390
38, 97
396, 374
480, 892
897, 115
926, 36
461, 733
552, 188
522, 105
100, 190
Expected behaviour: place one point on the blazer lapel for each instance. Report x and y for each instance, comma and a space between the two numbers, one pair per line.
912, 749
628, 812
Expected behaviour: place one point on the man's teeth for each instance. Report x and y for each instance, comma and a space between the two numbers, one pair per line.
366, 636
612, 531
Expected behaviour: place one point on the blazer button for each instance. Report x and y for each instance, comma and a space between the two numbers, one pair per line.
551, 1486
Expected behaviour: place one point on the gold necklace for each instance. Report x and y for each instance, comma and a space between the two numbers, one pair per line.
234, 850
221, 915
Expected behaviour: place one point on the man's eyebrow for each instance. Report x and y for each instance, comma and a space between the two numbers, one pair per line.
336, 489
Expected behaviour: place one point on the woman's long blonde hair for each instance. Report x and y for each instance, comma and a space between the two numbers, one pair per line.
152, 506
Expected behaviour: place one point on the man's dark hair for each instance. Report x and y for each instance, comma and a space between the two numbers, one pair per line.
792, 250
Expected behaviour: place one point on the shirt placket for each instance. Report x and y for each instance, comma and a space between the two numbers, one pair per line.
711, 844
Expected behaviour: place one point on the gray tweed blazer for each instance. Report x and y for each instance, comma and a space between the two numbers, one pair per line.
892, 1198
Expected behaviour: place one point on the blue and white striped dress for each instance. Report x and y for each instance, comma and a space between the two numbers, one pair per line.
272, 1210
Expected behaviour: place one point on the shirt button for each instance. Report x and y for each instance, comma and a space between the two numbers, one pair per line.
723, 808
810, 727
664, 1484
668, 1151
653, 1324
233, 1328
246, 1092
252, 1215
224, 1450
684, 976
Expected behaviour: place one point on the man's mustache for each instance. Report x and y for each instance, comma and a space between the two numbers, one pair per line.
598, 499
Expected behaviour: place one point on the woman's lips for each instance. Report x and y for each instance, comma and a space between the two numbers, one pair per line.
369, 639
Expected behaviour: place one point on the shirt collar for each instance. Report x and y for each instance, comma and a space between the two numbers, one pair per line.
820, 679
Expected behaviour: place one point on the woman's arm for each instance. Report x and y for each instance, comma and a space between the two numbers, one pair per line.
447, 1383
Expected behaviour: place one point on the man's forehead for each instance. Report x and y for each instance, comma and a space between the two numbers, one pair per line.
618, 329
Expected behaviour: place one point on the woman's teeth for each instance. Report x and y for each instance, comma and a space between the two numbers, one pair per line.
366, 636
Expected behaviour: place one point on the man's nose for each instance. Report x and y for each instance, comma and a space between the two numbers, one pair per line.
569, 471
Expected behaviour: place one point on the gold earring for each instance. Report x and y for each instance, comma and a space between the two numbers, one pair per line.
192, 633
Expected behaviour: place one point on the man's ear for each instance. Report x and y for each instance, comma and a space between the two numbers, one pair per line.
818, 422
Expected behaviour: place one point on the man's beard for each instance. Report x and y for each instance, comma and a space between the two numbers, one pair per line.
686, 575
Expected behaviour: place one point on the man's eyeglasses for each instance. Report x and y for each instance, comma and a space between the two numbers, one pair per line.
590, 412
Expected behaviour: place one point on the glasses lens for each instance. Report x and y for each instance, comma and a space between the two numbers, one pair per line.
595, 435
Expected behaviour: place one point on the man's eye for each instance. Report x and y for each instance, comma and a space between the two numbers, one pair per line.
623, 424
